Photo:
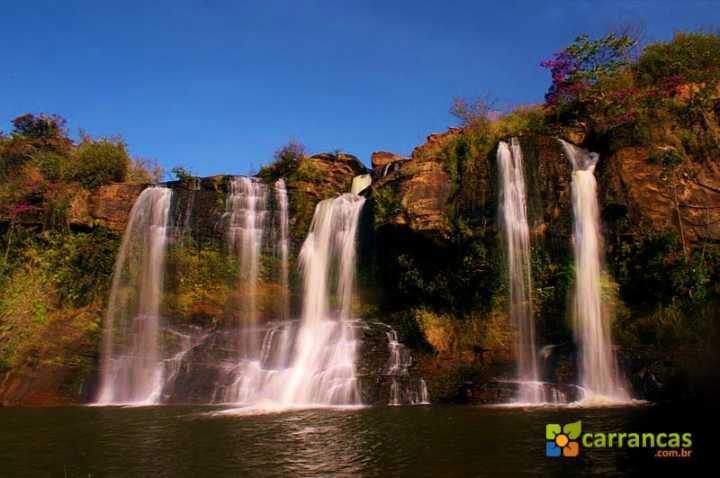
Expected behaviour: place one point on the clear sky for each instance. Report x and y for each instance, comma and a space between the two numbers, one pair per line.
216, 85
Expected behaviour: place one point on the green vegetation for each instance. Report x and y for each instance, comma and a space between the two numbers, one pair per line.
287, 161
96, 163
53, 293
54, 276
387, 205
693, 56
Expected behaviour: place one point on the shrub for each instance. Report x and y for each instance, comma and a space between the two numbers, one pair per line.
183, 175
39, 127
387, 206
99, 162
693, 57
521, 120
471, 113
144, 171
51, 164
286, 162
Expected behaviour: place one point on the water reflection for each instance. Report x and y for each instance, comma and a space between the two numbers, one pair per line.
445, 441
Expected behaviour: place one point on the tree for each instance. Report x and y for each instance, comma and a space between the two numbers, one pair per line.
583, 64
693, 57
99, 162
470, 112
286, 161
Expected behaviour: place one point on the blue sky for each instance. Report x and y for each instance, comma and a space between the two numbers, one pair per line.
216, 86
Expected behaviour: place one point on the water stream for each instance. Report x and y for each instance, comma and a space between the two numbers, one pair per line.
131, 369
516, 240
598, 368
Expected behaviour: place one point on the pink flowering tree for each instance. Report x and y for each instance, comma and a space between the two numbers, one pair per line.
576, 69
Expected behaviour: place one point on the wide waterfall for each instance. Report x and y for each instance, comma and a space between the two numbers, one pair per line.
257, 354
598, 367
512, 209
312, 362
131, 365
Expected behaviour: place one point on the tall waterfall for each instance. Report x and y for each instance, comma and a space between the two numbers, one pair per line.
246, 213
598, 368
281, 200
131, 366
324, 365
512, 210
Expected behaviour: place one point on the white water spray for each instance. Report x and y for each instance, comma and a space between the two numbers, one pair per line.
246, 212
312, 363
283, 244
323, 371
516, 238
403, 388
598, 368
131, 365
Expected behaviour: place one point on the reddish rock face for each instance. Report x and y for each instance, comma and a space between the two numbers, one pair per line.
330, 175
382, 158
420, 186
109, 206
684, 200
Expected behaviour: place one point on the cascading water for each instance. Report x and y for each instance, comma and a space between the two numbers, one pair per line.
392, 167
258, 360
323, 371
512, 210
360, 183
312, 362
399, 361
281, 201
598, 368
131, 365
246, 213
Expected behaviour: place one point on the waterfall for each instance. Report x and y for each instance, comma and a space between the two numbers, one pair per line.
598, 368
360, 183
323, 370
311, 362
246, 212
392, 167
512, 209
403, 389
131, 366
281, 200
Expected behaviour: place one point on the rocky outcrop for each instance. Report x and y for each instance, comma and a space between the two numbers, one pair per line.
548, 176
108, 206
416, 194
327, 174
683, 199
380, 159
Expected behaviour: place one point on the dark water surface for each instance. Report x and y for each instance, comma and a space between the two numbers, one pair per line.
443, 441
